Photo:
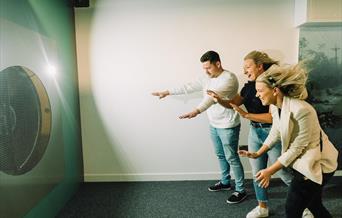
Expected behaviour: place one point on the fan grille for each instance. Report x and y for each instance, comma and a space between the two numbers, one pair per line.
24, 110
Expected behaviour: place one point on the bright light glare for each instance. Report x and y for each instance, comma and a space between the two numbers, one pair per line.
52, 70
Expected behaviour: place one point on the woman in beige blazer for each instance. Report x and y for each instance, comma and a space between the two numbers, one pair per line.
305, 147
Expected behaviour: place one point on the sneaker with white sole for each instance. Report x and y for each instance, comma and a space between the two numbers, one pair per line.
219, 187
237, 197
307, 214
258, 212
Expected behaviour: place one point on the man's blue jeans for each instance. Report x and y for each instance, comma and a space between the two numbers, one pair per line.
256, 139
226, 142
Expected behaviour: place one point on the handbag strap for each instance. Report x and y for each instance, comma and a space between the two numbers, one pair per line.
320, 140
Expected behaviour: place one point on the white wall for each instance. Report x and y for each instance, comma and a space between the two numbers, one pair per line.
129, 48
313, 12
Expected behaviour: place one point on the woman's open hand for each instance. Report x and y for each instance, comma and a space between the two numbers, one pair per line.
263, 176
214, 95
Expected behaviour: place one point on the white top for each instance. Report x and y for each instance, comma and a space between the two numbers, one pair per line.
226, 86
299, 131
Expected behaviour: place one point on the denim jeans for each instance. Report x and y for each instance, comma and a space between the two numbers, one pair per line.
256, 139
226, 142
304, 193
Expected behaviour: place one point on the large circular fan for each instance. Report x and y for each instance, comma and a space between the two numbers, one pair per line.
25, 120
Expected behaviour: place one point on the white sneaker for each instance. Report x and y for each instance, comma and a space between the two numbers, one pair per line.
307, 214
258, 212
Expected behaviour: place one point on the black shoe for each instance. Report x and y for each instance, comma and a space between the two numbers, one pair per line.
219, 187
237, 197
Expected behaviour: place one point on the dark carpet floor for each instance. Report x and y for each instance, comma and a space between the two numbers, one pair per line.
180, 199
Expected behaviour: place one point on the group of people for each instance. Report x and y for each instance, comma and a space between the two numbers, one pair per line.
284, 131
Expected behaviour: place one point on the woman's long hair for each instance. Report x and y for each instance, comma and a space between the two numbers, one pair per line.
261, 58
289, 79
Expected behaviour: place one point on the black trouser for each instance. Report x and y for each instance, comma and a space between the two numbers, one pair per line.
304, 193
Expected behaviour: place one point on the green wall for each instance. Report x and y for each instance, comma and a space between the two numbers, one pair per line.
54, 19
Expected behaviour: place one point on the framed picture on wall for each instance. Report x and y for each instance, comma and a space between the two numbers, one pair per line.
321, 47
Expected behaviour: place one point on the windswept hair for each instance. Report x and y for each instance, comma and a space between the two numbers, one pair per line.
211, 56
261, 58
290, 79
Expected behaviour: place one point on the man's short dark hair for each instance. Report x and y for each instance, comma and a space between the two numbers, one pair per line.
211, 56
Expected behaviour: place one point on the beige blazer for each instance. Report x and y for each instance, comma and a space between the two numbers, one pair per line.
299, 131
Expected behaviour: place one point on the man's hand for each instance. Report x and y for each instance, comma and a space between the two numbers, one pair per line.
161, 94
239, 110
190, 115
244, 153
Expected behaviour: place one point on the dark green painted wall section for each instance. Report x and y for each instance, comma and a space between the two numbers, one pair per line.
55, 20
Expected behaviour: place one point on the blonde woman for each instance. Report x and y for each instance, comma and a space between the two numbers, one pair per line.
305, 147
255, 63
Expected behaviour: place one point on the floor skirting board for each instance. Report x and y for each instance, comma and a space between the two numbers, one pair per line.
155, 177
88, 177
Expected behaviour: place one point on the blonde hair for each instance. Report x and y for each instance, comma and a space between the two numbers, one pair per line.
290, 80
261, 58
